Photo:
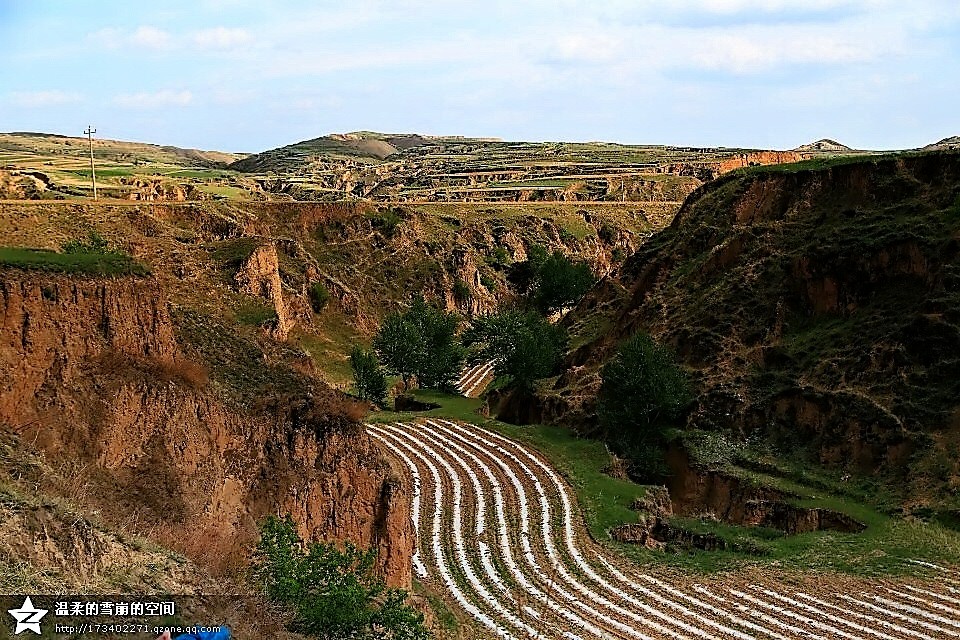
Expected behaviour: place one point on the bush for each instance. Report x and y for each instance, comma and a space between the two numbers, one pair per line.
500, 257
421, 343
523, 344
461, 291
95, 243
643, 396
319, 296
334, 593
368, 376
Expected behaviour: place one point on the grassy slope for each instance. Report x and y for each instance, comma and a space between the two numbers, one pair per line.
100, 264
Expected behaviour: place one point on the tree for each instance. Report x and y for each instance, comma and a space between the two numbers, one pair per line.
522, 343
368, 376
643, 395
561, 282
335, 593
398, 345
421, 342
550, 281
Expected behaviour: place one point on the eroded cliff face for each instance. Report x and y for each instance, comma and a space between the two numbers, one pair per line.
817, 310
93, 375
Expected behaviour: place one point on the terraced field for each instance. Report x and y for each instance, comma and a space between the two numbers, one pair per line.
501, 536
474, 379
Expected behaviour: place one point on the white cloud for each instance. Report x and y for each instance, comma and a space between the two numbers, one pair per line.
151, 38
38, 99
143, 37
147, 100
221, 38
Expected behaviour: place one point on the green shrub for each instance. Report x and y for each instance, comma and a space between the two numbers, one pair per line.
461, 291
368, 376
488, 281
643, 396
335, 593
386, 221
95, 243
319, 296
499, 257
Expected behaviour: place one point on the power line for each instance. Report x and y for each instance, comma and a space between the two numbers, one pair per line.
93, 172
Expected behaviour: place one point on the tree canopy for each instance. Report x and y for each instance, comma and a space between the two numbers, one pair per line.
421, 343
643, 395
522, 344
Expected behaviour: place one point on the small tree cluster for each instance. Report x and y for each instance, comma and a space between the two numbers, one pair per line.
421, 343
643, 395
335, 593
368, 376
524, 345
550, 281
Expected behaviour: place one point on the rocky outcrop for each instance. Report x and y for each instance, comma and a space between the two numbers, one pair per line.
94, 376
259, 276
758, 158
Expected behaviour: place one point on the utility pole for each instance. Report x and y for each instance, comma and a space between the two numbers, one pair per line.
93, 172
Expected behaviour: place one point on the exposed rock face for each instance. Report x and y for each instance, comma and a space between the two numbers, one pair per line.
93, 374
153, 190
758, 158
260, 276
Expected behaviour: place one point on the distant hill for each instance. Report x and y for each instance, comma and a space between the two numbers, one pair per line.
361, 146
51, 144
824, 146
953, 142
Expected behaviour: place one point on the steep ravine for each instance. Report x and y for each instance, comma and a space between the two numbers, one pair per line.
94, 376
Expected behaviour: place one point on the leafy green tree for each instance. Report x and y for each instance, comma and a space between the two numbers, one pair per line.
368, 376
643, 396
398, 345
561, 282
522, 343
335, 593
422, 343
550, 281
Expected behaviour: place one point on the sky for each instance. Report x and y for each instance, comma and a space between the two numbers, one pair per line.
245, 76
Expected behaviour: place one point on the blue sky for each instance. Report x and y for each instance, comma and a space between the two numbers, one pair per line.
241, 75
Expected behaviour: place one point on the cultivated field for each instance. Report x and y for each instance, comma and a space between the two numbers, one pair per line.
501, 535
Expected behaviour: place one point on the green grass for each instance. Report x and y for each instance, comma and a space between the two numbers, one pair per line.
255, 313
100, 264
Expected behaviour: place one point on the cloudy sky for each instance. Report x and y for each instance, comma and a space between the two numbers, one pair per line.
241, 75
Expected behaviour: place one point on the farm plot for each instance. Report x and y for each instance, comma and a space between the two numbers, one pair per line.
500, 535
474, 379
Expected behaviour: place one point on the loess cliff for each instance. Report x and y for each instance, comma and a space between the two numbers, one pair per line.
816, 308
96, 379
